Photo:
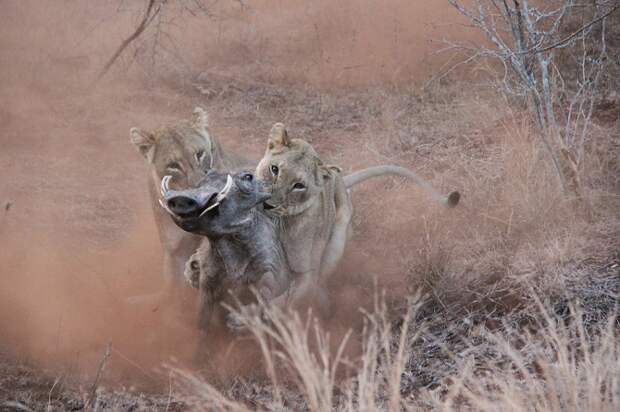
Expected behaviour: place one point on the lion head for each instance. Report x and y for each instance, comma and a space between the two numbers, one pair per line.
184, 151
292, 172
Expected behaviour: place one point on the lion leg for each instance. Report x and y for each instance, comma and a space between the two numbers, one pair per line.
204, 310
308, 291
177, 250
173, 275
274, 293
340, 232
334, 248
175, 259
169, 270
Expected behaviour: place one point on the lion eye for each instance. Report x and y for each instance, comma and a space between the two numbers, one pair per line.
248, 176
174, 167
274, 170
200, 155
299, 186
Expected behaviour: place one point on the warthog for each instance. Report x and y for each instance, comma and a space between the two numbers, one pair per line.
245, 249
185, 151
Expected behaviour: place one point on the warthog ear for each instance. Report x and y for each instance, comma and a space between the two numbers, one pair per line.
201, 118
278, 137
143, 140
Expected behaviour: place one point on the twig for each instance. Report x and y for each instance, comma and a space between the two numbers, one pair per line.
104, 360
49, 395
134, 364
169, 391
572, 35
17, 405
149, 15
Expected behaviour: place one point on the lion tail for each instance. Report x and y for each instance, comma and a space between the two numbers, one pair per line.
451, 200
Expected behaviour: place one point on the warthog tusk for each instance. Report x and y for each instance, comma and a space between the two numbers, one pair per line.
164, 185
222, 195
214, 205
163, 205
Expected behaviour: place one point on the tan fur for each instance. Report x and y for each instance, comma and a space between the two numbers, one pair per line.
195, 265
185, 151
315, 221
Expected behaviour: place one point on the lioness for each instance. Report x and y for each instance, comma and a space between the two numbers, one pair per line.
245, 248
186, 151
311, 204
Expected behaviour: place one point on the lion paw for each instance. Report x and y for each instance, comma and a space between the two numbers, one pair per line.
192, 271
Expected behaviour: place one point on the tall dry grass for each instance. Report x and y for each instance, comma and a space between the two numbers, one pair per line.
297, 351
558, 363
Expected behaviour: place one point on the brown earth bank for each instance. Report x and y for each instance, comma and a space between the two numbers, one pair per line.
76, 231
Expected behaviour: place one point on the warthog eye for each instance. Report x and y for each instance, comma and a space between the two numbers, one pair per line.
299, 186
194, 265
248, 176
274, 170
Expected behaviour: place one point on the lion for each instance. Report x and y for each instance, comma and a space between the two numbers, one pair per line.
186, 151
311, 204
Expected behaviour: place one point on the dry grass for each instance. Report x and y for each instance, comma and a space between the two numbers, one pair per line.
304, 357
556, 363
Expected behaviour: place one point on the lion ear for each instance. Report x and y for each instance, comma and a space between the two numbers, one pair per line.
328, 170
324, 172
143, 140
278, 137
201, 118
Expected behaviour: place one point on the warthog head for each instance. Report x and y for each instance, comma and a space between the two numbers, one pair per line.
221, 205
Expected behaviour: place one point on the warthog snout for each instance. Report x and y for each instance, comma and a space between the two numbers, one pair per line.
183, 205
194, 203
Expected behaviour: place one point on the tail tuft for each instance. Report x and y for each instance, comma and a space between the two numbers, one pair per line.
453, 199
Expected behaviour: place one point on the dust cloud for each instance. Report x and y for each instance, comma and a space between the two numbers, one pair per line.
76, 232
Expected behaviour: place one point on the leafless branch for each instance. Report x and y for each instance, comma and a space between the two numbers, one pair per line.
152, 10
574, 34
527, 37
18, 406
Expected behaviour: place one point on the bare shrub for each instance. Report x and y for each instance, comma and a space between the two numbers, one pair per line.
527, 40
151, 37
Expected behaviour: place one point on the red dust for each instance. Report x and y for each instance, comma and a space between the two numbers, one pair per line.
76, 231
